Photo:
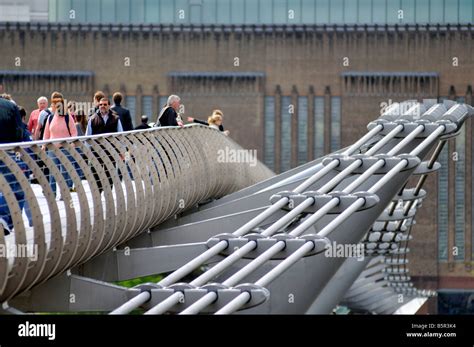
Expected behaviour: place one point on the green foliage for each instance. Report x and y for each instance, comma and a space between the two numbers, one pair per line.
139, 280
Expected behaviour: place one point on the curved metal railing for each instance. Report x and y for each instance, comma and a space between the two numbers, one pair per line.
378, 174
110, 188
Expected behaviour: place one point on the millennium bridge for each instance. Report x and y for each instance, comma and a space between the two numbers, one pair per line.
229, 236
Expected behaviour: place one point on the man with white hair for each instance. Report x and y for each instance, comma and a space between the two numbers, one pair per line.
169, 114
33, 120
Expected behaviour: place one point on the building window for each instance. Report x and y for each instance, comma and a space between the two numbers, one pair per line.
294, 11
185, 10
108, 10
162, 102
422, 16
318, 126
257, 12
137, 11
152, 11
451, 11
387, 12
466, 11
335, 123
336, 11
251, 11
365, 11
459, 200
131, 104
280, 12
123, 11
62, 10
269, 154
408, 7
236, 12
79, 7
94, 9
436, 11
302, 129
308, 12
167, 12
350, 12
459, 191
322, 12
196, 14
265, 11
209, 11
147, 106
443, 206
285, 146
223, 12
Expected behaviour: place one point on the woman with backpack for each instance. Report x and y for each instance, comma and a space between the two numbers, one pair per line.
59, 125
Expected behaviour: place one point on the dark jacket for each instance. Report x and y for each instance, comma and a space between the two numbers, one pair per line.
100, 127
125, 117
11, 129
142, 126
167, 117
26, 133
221, 127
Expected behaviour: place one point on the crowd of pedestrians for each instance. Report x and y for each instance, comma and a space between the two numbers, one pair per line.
55, 119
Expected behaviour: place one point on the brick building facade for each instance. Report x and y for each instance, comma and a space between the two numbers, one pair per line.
293, 93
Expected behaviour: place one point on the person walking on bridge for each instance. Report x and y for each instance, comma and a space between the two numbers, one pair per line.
144, 124
122, 112
34, 116
11, 130
59, 125
214, 121
169, 114
103, 121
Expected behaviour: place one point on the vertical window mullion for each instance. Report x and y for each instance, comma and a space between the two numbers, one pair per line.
302, 129
269, 151
318, 126
335, 123
285, 145
443, 206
